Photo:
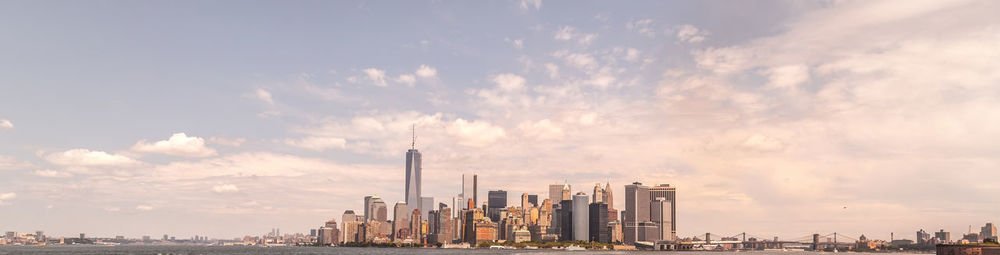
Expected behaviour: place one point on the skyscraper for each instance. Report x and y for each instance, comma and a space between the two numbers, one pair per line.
426, 205
555, 193
525, 204
400, 221
413, 170
348, 216
368, 206
376, 209
670, 194
598, 195
988, 231
533, 199
636, 211
565, 226
469, 189
608, 197
566, 195
581, 217
497, 202
660, 214
599, 231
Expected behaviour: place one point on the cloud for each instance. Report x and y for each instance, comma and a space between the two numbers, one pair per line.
787, 77
11, 163
376, 76
476, 133
225, 188
231, 142
179, 144
144, 207
426, 72
52, 173
407, 79
6, 124
509, 82
88, 158
517, 43
631, 54
569, 33
4, 197
581, 60
527, 5
690, 34
264, 95
643, 27
112, 209
318, 143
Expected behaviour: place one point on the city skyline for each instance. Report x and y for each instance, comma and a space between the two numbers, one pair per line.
224, 119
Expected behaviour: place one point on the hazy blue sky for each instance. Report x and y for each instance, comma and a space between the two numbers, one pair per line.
225, 118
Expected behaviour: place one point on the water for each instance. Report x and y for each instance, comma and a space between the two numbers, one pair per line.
211, 250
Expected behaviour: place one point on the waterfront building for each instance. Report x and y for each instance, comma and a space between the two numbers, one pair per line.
353, 231
400, 221
598, 223
581, 217
988, 231
668, 193
376, 210
565, 227
943, 236
416, 225
413, 174
660, 214
636, 212
923, 237
615, 231
348, 216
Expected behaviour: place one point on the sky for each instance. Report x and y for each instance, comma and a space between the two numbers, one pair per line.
229, 118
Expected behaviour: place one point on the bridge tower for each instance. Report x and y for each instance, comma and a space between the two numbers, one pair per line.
708, 238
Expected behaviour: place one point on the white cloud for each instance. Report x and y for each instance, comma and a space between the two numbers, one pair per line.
407, 79
569, 33
4, 197
517, 43
690, 34
426, 72
231, 142
527, 5
88, 158
318, 143
264, 95
552, 69
6, 124
52, 173
509, 82
643, 27
144, 207
376, 76
476, 133
542, 130
225, 188
631, 55
179, 144
787, 77
11, 163
581, 60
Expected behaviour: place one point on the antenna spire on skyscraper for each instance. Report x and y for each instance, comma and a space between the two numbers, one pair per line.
413, 143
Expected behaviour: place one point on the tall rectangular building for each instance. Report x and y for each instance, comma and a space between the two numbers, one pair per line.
555, 193
426, 205
636, 212
599, 231
660, 214
565, 227
496, 203
581, 217
469, 190
413, 172
533, 199
670, 194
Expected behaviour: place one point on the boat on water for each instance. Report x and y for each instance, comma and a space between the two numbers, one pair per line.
575, 248
530, 248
